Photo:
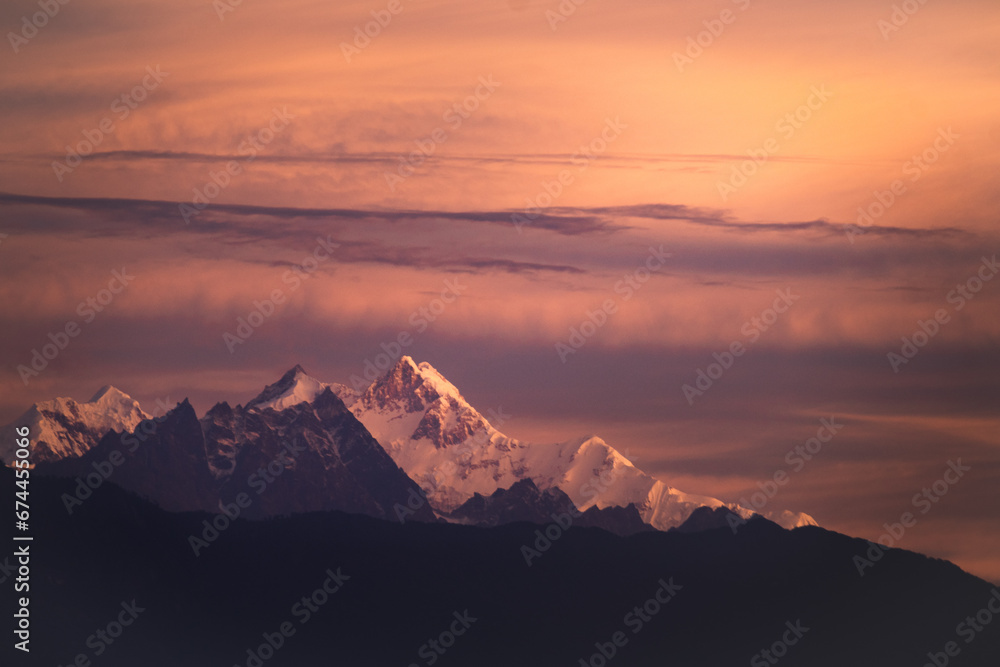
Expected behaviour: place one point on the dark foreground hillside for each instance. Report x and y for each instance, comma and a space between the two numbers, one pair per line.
469, 590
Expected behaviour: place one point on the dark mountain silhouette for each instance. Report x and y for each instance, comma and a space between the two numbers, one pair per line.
410, 584
313, 456
523, 501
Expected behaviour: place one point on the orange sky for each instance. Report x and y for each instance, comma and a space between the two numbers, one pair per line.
493, 108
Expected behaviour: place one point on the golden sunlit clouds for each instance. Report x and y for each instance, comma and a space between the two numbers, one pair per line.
557, 88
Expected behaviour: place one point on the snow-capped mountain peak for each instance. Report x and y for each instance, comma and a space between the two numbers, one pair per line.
424, 424
65, 428
296, 386
433, 378
414, 403
448, 448
409, 387
109, 394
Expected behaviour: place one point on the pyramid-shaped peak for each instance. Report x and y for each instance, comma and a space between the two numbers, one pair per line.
109, 393
295, 386
403, 375
292, 377
294, 373
410, 386
438, 381
402, 379
404, 361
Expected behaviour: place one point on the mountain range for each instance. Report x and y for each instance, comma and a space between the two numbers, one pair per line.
408, 446
416, 533
526, 595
